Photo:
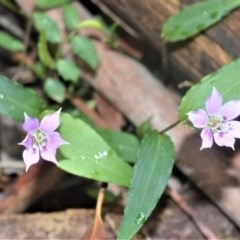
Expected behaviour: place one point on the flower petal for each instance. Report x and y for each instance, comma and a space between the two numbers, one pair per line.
233, 127
198, 118
207, 138
50, 122
214, 103
27, 141
55, 140
49, 154
30, 157
230, 110
30, 124
224, 139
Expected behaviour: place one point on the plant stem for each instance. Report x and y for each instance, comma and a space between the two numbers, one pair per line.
170, 127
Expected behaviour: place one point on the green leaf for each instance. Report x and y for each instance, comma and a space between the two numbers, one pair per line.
196, 18
68, 70
47, 26
50, 3
145, 127
88, 155
225, 80
71, 16
39, 69
16, 99
85, 50
10, 43
54, 89
150, 177
91, 23
124, 144
44, 54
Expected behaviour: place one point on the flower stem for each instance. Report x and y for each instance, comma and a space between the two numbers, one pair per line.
170, 127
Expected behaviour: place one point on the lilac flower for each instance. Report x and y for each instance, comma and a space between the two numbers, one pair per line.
42, 139
217, 121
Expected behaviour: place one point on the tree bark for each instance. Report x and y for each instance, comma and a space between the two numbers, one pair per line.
189, 59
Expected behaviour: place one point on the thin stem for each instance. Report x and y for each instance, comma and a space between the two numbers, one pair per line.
170, 127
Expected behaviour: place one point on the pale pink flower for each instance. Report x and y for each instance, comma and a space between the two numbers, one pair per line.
42, 140
217, 121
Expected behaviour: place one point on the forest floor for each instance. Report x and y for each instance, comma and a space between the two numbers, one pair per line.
203, 194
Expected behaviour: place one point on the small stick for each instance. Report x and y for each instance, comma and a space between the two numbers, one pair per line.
80, 104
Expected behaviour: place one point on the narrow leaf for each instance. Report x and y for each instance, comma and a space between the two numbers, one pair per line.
10, 43
43, 52
68, 70
47, 26
196, 18
150, 177
85, 50
50, 3
88, 155
54, 89
225, 80
16, 99
91, 23
71, 16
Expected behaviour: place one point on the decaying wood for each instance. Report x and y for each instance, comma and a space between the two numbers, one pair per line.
191, 59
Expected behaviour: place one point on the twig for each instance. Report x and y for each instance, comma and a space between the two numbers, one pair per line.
79, 103
204, 230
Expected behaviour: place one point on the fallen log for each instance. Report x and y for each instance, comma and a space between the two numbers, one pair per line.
190, 59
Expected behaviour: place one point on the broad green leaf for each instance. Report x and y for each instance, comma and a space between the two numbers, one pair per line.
10, 43
71, 16
226, 80
47, 26
196, 18
50, 3
16, 99
85, 50
68, 70
150, 177
88, 155
44, 54
54, 89
124, 144
91, 23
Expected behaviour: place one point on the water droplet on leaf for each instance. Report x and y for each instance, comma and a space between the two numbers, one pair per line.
82, 157
100, 155
1, 96
120, 146
95, 174
141, 218
205, 13
213, 15
200, 27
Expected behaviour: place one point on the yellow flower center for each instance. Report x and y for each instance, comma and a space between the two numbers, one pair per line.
214, 122
39, 139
